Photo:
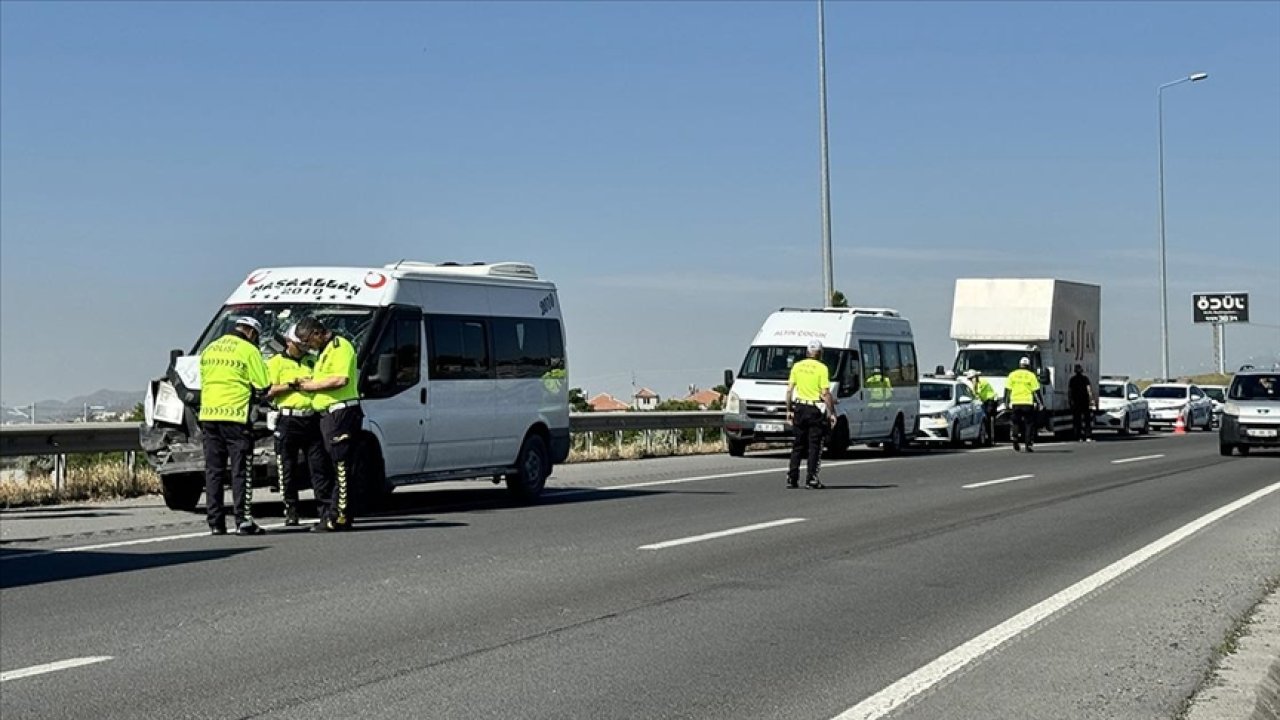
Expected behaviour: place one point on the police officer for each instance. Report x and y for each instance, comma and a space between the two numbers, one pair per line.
1022, 397
297, 428
1080, 396
335, 384
987, 396
810, 410
232, 376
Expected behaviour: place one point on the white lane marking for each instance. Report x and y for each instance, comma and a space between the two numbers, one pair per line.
51, 667
721, 533
557, 493
719, 476
971, 486
1136, 459
127, 543
902, 691
764, 471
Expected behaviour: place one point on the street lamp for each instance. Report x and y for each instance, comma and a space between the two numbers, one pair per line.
1164, 281
828, 280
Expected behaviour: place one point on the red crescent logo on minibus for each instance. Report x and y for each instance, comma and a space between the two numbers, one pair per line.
256, 278
375, 280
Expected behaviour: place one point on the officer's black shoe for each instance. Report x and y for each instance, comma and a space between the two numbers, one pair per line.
1016, 446
325, 525
250, 528
218, 529
814, 485
1030, 449
793, 484
291, 516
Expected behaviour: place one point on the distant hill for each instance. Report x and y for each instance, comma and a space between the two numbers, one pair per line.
112, 402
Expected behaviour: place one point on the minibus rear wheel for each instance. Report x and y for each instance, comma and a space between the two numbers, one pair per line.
532, 468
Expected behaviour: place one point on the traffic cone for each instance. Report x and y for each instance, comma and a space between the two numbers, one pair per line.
1180, 427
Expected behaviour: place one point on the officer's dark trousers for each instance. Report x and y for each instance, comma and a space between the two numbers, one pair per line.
810, 425
341, 432
1082, 422
1023, 424
227, 443
299, 437
989, 411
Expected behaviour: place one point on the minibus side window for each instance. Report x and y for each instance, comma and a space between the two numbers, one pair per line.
459, 348
910, 374
401, 344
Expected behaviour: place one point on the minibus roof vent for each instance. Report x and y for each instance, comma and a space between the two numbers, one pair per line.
882, 312
500, 269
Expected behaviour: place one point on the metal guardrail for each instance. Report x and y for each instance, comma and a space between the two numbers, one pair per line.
74, 438
68, 438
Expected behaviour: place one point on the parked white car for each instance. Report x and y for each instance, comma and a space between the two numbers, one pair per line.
1121, 407
1170, 401
1218, 394
950, 413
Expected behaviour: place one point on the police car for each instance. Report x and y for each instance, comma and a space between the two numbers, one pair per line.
1218, 394
1121, 407
950, 413
1170, 402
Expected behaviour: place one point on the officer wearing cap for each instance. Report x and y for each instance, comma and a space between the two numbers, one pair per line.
232, 375
336, 396
987, 396
810, 410
1022, 397
297, 428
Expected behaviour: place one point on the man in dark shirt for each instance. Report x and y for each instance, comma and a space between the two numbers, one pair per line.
1080, 395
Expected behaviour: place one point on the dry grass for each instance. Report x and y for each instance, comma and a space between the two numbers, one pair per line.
636, 451
104, 480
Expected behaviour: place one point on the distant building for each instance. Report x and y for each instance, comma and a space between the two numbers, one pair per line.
645, 399
704, 399
604, 402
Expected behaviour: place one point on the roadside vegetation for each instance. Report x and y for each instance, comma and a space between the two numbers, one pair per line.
89, 477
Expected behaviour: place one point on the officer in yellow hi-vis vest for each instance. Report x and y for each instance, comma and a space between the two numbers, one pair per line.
232, 375
809, 391
335, 384
1022, 397
297, 428
987, 396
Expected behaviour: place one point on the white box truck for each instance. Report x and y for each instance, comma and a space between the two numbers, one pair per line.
462, 373
995, 322
870, 354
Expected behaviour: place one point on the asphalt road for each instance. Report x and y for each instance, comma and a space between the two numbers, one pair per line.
1093, 581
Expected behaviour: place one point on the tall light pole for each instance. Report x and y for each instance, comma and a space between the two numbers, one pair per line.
828, 281
1164, 281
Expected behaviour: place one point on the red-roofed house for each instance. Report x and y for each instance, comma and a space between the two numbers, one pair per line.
604, 402
645, 399
705, 398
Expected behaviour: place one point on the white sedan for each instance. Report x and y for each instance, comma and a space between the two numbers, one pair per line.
1170, 402
949, 413
1121, 407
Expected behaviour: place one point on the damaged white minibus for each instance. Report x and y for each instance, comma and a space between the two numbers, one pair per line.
463, 373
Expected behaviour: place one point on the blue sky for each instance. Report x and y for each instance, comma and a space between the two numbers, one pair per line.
659, 161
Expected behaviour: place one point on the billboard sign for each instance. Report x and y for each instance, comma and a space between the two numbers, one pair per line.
1220, 307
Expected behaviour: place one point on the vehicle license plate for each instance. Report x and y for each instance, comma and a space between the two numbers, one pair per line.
770, 427
1261, 432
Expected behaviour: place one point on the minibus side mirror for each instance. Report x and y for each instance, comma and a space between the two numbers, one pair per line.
728, 378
